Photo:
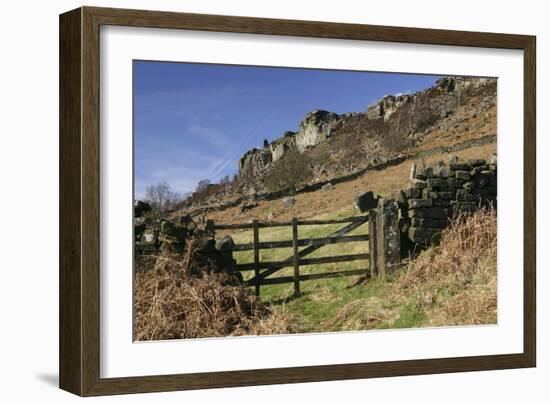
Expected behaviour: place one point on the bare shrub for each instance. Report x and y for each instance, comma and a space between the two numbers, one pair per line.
162, 199
178, 298
289, 172
455, 282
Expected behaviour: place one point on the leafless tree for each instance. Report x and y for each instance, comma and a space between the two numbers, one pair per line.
162, 198
290, 171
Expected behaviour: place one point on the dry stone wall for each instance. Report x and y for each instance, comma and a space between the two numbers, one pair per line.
438, 193
416, 216
153, 236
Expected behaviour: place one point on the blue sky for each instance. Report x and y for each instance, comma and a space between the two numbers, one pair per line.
194, 121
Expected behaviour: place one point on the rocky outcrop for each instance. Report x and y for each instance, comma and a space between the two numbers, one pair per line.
282, 145
255, 162
316, 127
386, 130
384, 108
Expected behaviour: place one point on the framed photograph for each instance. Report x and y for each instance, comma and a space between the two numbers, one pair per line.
248, 201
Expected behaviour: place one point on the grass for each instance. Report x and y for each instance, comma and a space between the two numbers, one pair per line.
284, 291
452, 284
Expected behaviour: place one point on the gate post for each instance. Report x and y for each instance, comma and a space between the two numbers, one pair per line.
387, 245
373, 215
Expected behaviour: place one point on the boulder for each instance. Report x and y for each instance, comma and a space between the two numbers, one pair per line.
225, 244
141, 208
248, 206
365, 201
417, 184
187, 222
476, 162
460, 166
327, 186
205, 245
430, 212
463, 175
138, 230
417, 203
289, 201
469, 186
452, 159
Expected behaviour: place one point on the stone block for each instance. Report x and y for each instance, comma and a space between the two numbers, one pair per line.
460, 166
475, 170
429, 222
476, 162
187, 222
289, 202
412, 193
148, 237
365, 201
445, 195
327, 186
416, 203
141, 208
404, 225
462, 174
441, 203
430, 212
469, 186
429, 194
400, 197
437, 184
454, 183
452, 159
442, 171
225, 244
418, 184
205, 245
464, 195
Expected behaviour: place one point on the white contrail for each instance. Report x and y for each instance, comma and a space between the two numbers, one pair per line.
243, 145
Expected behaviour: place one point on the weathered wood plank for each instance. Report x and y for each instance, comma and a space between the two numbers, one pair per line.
311, 248
314, 242
314, 276
335, 221
249, 225
304, 262
246, 225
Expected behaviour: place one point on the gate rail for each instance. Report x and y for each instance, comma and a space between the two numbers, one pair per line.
264, 269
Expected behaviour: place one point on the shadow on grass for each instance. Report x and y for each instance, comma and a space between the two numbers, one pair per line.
286, 300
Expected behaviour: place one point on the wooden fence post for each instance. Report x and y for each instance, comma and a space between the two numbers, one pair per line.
295, 257
256, 231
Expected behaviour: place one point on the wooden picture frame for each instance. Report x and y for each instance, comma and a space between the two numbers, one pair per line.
79, 201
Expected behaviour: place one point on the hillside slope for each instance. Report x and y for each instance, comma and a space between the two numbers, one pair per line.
455, 114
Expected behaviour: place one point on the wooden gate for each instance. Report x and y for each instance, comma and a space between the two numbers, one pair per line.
264, 269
